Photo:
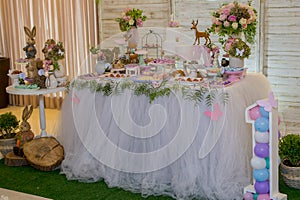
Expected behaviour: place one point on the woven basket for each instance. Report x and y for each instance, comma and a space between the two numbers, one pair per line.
290, 175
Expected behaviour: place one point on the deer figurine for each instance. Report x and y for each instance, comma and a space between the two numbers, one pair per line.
199, 34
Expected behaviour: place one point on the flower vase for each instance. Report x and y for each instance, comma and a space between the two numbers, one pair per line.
236, 62
132, 38
51, 81
100, 67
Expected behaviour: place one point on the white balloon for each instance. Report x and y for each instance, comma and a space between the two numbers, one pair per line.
258, 163
261, 137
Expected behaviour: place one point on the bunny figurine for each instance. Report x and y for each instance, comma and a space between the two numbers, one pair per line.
25, 126
25, 134
30, 41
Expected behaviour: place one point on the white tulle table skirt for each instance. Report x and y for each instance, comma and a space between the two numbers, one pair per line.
168, 147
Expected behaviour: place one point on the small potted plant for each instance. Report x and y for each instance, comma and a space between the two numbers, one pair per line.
8, 126
289, 151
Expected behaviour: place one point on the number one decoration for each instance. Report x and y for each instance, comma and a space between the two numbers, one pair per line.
263, 115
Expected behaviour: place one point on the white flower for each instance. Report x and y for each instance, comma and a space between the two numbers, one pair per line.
234, 25
243, 21
131, 22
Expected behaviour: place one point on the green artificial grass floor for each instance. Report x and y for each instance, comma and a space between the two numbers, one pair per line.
55, 186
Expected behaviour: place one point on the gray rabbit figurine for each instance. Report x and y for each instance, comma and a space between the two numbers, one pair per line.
30, 41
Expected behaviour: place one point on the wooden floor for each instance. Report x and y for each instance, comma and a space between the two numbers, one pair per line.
52, 116
13, 195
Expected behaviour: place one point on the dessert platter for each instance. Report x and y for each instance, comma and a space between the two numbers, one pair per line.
114, 76
31, 87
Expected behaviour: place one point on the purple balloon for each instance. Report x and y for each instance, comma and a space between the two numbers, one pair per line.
261, 150
262, 187
279, 135
261, 124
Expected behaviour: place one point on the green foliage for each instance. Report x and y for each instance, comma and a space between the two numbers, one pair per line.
204, 94
240, 45
150, 91
8, 125
289, 149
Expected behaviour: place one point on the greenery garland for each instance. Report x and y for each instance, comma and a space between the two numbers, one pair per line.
204, 94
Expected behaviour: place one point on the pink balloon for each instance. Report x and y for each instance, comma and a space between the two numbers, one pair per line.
248, 196
254, 113
279, 120
263, 197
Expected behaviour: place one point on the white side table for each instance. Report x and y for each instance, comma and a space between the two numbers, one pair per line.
40, 92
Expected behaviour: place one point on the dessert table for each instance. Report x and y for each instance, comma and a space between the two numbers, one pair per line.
170, 146
40, 93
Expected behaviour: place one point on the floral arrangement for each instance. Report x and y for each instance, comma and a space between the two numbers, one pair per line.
213, 48
131, 18
53, 51
102, 55
238, 48
234, 19
173, 23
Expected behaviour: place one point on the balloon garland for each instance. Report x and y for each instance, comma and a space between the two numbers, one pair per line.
265, 180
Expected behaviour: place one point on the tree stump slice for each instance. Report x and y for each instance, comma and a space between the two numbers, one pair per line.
12, 160
44, 153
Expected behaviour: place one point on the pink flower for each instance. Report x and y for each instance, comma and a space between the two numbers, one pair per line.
229, 43
232, 18
139, 22
231, 5
226, 24
244, 26
226, 11
218, 22
126, 10
223, 17
214, 20
217, 29
126, 18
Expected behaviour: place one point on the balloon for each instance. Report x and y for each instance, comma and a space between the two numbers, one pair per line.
263, 197
279, 120
263, 112
248, 196
261, 124
262, 187
255, 196
267, 162
261, 150
258, 163
261, 137
279, 134
254, 113
261, 174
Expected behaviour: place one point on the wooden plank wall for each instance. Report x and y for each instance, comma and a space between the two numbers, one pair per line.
282, 54
157, 11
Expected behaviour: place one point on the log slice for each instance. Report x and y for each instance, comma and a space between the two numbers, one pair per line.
44, 153
13, 160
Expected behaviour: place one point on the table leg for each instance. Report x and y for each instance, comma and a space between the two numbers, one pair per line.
42, 116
